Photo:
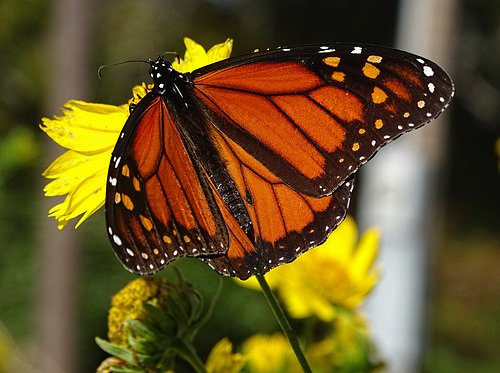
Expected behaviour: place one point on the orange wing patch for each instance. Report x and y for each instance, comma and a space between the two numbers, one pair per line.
398, 88
343, 104
255, 111
318, 125
370, 71
267, 78
378, 95
147, 157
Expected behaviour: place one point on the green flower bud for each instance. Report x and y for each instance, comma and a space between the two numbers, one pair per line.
151, 321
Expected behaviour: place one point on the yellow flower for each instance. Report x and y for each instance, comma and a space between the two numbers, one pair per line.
346, 348
90, 132
268, 353
222, 360
196, 57
128, 303
337, 273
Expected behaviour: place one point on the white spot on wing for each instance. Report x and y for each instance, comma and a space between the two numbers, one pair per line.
325, 49
428, 71
357, 50
117, 240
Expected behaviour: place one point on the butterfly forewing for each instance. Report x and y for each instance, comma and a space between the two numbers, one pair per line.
313, 115
159, 205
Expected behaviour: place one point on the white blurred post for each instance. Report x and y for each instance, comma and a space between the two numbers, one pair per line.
398, 194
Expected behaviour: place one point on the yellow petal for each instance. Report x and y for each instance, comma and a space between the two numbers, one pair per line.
366, 253
267, 353
220, 51
196, 57
86, 198
222, 360
342, 241
86, 127
91, 131
78, 165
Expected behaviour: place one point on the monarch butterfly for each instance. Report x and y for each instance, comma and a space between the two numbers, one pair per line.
249, 162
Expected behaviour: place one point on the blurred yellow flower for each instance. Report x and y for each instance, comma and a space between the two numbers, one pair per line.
90, 132
268, 353
222, 360
347, 347
336, 273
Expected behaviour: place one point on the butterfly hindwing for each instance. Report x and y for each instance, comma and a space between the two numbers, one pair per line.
285, 222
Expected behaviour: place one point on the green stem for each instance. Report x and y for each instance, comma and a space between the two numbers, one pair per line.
283, 321
188, 353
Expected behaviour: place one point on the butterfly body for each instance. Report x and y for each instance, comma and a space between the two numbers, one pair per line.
248, 162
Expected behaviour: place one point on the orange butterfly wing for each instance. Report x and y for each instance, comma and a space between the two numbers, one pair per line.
159, 205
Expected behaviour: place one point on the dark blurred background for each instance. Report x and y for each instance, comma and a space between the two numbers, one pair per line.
50, 52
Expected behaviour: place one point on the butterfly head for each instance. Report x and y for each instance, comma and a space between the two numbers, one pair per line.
164, 76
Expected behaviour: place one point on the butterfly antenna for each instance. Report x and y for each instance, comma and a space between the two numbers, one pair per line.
177, 57
99, 71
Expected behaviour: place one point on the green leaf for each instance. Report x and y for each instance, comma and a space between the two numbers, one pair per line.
114, 350
142, 330
159, 316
